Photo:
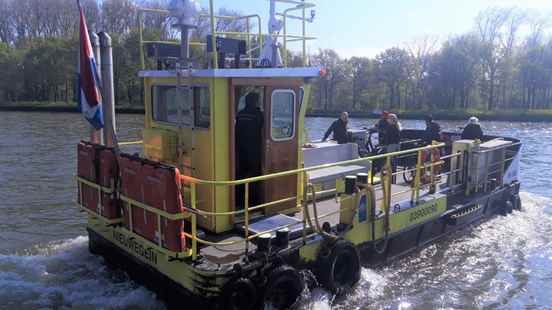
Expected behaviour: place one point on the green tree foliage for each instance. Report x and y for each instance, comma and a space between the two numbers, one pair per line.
504, 63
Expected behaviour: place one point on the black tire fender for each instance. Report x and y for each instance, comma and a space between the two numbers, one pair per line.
340, 270
284, 288
517, 203
507, 208
239, 294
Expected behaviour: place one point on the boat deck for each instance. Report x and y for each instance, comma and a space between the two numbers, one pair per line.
401, 200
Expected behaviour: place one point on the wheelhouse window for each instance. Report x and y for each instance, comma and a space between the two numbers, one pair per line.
202, 107
165, 100
282, 115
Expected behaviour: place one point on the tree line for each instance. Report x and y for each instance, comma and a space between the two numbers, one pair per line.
504, 63
39, 42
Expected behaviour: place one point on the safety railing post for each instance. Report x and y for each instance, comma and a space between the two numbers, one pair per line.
417, 178
246, 215
387, 197
304, 204
389, 180
213, 34
432, 172
141, 36
194, 220
249, 55
285, 41
304, 40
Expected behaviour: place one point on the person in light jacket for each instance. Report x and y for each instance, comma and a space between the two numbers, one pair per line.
473, 130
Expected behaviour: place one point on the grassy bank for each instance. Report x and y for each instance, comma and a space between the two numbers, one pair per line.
61, 107
500, 115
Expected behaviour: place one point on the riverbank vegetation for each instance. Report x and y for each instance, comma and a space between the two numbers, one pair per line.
502, 67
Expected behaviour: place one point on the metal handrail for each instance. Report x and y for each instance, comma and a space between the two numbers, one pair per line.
247, 34
193, 212
189, 179
299, 5
302, 6
193, 182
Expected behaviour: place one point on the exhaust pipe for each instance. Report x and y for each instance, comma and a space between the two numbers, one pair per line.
108, 89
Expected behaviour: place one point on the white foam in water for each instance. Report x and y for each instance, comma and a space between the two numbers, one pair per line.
65, 275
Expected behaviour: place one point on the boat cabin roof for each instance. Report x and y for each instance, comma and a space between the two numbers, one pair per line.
301, 72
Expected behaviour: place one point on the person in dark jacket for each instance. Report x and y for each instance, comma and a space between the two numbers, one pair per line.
249, 141
339, 129
392, 134
393, 140
380, 127
432, 131
472, 130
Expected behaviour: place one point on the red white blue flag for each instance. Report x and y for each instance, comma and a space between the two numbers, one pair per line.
89, 96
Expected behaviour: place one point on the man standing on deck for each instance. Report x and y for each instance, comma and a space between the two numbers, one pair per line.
339, 129
432, 131
380, 126
249, 140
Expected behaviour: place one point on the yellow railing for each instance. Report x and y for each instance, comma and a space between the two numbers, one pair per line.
248, 34
193, 182
302, 6
193, 212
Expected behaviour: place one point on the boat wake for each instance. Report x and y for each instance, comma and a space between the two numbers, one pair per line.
495, 264
491, 265
65, 275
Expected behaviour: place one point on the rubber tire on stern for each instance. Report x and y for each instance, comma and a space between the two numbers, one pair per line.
508, 208
340, 270
285, 286
517, 203
239, 294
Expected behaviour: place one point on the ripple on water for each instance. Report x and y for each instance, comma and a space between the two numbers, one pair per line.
63, 276
504, 263
497, 264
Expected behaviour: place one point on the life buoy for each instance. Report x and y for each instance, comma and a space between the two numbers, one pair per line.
339, 270
285, 286
433, 155
240, 294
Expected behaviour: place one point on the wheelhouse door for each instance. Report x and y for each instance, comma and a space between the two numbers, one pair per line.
281, 144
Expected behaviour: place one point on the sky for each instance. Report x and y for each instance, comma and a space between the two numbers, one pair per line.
367, 27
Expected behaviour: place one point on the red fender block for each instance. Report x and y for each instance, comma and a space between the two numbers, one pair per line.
107, 178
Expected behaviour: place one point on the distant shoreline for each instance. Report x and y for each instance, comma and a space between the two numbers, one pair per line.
56, 107
505, 115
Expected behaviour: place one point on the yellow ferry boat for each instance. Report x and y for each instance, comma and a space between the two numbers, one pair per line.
183, 220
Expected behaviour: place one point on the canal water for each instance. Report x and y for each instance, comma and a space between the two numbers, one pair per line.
45, 264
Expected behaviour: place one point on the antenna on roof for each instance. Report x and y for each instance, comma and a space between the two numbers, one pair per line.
184, 12
270, 54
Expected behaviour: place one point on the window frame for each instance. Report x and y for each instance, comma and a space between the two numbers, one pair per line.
195, 105
294, 116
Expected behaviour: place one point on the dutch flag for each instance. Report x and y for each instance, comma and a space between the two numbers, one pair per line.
89, 97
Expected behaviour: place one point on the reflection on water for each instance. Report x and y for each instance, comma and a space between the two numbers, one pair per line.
44, 261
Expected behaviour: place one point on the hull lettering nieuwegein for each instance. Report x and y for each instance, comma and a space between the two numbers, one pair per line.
139, 249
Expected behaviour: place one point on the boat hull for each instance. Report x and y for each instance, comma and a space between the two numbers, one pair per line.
465, 213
